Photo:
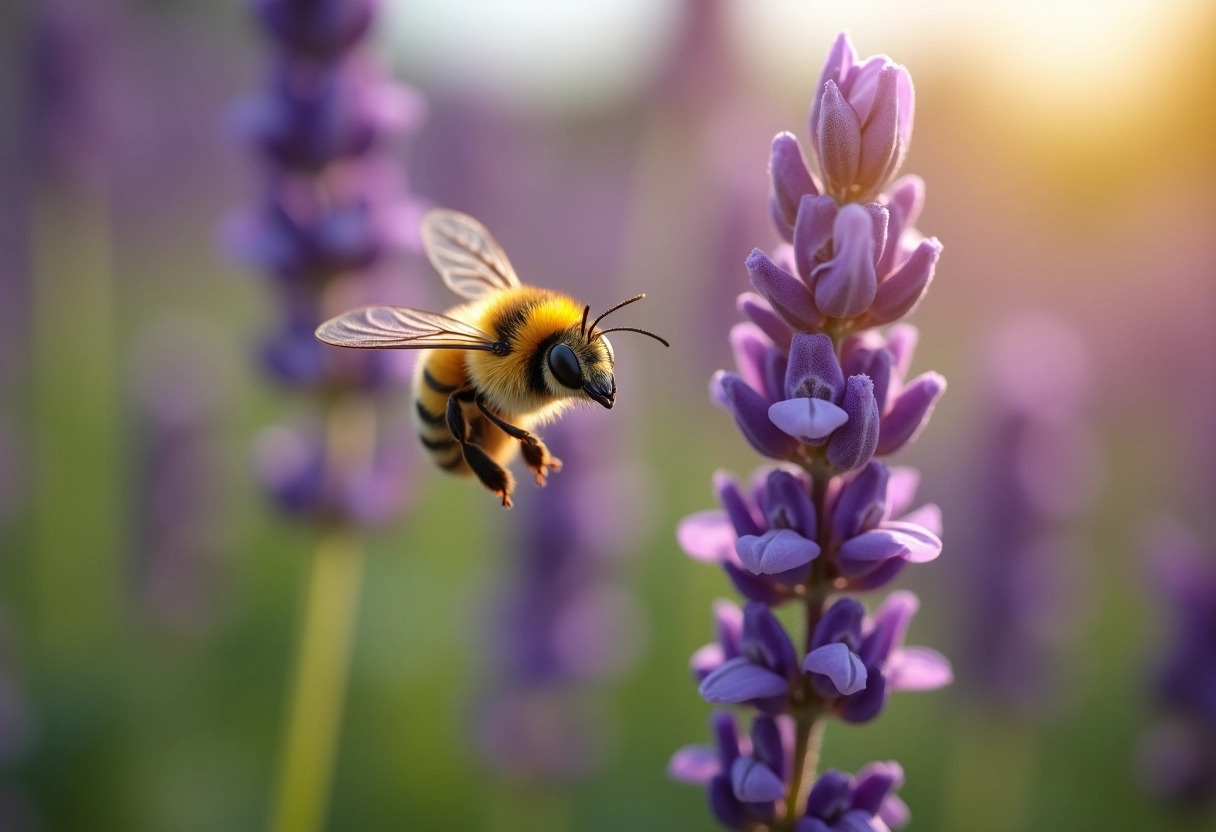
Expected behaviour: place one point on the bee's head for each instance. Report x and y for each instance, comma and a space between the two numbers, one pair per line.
580, 363
581, 367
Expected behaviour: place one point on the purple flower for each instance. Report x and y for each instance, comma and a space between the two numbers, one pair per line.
855, 664
873, 536
839, 802
904, 407
1178, 757
775, 527
561, 622
744, 776
179, 394
760, 674
816, 389
334, 207
861, 121
1034, 482
822, 407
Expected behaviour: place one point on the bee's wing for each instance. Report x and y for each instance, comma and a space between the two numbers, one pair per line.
471, 263
401, 328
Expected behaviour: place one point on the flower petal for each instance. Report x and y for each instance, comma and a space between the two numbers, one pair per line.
830, 794
766, 641
889, 627
706, 660
919, 668
750, 347
892, 540
814, 370
787, 505
840, 664
862, 503
910, 412
845, 286
928, 517
839, 63
899, 294
750, 410
880, 139
901, 489
754, 782
769, 746
739, 512
852, 446
760, 312
776, 551
839, 139
740, 680
841, 622
812, 231
789, 296
807, 419
875, 783
696, 764
791, 178
706, 536
724, 805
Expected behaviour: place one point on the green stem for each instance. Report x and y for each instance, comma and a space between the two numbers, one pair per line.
314, 718
315, 714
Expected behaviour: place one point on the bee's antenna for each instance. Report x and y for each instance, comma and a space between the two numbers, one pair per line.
582, 328
613, 309
601, 333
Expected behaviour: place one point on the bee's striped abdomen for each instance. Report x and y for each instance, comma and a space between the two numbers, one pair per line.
440, 374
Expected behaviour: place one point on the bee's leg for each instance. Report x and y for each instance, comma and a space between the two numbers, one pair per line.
536, 455
492, 475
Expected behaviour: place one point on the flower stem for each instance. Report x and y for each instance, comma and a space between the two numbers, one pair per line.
323, 658
809, 722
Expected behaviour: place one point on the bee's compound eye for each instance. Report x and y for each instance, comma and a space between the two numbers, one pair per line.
564, 366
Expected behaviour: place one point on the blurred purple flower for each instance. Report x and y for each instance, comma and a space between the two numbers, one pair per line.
1038, 468
1178, 757
816, 388
179, 395
839, 802
562, 622
335, 207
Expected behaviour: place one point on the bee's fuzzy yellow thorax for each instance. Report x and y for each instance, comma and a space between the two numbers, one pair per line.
526, 319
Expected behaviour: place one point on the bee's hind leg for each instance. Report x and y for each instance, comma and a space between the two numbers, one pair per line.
492, 475
536, 455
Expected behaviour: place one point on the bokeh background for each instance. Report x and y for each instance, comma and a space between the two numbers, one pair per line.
150, 593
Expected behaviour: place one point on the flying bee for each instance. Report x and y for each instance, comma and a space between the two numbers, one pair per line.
509, 359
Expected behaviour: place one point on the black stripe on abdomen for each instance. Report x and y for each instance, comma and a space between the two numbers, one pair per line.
435, 384
427, 416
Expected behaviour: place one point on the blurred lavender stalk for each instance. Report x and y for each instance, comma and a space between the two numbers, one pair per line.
75, 465
1035, 485
1178, 756
563, 623
1029, 485
178, 397
334, 207
824, 393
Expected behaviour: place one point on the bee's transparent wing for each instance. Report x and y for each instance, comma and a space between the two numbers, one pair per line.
401, 328
471, 263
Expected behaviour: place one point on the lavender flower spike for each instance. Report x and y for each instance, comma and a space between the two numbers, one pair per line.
823, 393
329, 212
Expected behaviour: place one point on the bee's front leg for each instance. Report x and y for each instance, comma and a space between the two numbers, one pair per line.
492, 475
536, 455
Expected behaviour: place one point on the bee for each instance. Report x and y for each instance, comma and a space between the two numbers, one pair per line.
509, 359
